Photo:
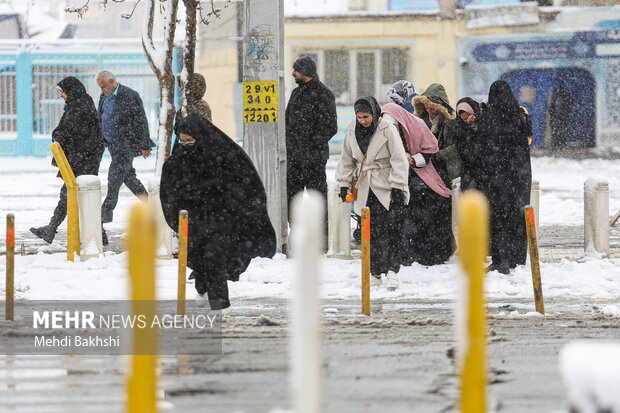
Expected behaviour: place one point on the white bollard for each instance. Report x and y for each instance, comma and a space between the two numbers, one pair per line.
164, 233
339, 226
456, 192
535, 202
591, 375
596, 215
306, 334
89, 207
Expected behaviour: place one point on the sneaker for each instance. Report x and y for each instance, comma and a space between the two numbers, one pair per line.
375, 281
202, 300
392, 280
227, 310
46, 233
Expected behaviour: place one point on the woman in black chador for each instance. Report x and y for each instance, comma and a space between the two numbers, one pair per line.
79, 136
467, 140
507, 177
215, 181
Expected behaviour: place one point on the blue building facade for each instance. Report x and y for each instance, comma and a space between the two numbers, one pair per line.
30, 106
569, 82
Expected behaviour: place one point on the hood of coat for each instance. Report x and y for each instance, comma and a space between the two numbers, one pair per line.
73, 88
434, 96
468, 105
198, 86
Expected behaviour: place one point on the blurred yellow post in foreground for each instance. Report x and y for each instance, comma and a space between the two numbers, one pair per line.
473, 224
142, 380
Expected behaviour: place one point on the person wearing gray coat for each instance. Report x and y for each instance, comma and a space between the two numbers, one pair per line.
374, 154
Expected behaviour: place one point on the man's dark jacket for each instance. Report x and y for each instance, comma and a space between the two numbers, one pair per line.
311, 121
134, 134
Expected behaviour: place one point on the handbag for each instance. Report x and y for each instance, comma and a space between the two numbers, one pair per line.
354, 179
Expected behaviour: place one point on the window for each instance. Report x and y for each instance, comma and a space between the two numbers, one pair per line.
351, 73
394, 65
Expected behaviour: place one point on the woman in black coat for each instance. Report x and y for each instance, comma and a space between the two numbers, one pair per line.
467, 142
215, 181
79, 135
507, 177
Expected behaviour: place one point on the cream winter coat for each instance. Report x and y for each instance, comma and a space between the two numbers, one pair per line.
386, 165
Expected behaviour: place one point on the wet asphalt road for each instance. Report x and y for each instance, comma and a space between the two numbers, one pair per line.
397, 360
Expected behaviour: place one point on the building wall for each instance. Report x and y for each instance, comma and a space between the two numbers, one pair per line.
431, 43
431, 46
538, 66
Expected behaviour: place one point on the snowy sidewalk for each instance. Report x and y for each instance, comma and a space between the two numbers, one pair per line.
30, 190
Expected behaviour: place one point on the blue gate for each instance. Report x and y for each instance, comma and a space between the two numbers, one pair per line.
30, 106
561, 103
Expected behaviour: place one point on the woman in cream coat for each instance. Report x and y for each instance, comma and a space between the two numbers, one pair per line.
374, 153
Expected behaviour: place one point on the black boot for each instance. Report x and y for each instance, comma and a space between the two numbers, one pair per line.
46, 233
104, 237
504, 268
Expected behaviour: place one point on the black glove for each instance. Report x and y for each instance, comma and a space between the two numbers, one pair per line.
343, 193
397, 196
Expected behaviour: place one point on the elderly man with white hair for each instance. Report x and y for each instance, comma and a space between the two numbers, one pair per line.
126, 134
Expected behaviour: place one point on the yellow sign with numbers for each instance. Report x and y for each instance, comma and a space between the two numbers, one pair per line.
260, 102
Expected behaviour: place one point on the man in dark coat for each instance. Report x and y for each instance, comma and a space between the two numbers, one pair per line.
504, 131
311, 121
126, 133
215, 181
79, 135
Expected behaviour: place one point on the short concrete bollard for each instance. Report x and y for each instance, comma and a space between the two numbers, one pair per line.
164, 233
596, 215
89, 207
339, 226
535, 203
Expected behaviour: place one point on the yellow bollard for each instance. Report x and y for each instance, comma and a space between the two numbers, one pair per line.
366, 261
183, 233
10, 267
142, 380
530, 223
473, 217
73, 223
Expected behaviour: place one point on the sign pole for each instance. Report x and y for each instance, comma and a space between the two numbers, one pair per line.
263, 104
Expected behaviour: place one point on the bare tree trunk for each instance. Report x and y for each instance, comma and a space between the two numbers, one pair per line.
191, 10
160, 59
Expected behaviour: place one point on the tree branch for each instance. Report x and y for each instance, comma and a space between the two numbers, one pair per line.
130, 15
80, 10
214, 12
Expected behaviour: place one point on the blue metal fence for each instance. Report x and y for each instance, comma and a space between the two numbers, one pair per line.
30, 107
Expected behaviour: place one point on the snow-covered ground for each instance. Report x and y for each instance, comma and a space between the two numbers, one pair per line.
30, 190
